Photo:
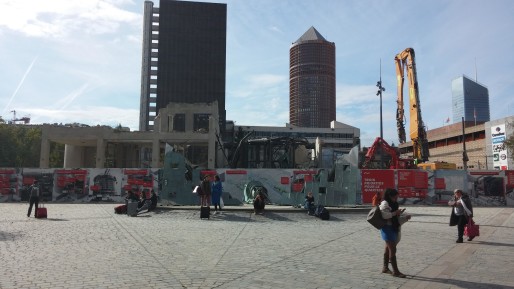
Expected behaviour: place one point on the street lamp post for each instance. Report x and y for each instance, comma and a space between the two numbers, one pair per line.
379, 93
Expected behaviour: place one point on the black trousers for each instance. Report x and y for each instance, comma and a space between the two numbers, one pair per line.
32, 201
463, 220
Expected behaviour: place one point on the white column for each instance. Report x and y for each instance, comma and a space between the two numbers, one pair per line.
100, 153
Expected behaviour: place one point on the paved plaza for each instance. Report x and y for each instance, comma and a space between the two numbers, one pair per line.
88, 246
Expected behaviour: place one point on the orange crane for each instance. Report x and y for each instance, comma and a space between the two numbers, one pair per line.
418, 134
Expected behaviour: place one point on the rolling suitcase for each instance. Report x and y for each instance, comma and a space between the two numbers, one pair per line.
41, 212
205, 212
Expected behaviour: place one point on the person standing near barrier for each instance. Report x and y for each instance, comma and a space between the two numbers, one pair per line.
461, 210
34, 198
205, 198
216, 191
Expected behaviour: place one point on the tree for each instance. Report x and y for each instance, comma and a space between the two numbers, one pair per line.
20, 145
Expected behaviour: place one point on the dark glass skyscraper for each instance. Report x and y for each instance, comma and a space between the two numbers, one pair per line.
184, 56
470, 100
312, 81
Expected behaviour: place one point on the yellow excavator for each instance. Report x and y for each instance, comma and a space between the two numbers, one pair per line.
418, 134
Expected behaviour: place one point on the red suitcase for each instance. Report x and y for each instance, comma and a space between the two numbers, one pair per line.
41, 213
121, 209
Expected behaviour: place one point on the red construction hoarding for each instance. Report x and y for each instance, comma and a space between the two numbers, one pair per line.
374, 181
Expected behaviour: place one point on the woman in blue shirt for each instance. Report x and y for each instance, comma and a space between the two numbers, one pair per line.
216, 191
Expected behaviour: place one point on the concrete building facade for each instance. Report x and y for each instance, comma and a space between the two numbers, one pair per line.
182, 126
184, 57
312, 86
484, 144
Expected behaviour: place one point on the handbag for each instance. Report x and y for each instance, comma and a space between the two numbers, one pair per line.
375, 218
471, 229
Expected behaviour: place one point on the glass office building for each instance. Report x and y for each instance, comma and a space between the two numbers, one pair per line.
184, 57
470, 100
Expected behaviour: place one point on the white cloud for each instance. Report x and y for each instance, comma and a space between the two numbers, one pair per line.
60, 18
90, 115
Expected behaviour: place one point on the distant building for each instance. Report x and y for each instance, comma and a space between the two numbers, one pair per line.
470, 100
312, 81
184, 57
485, 144
327, 144
189, 128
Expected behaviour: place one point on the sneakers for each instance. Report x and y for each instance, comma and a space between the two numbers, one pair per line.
459, 240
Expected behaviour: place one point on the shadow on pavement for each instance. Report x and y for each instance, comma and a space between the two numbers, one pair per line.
56, 219
231, 217
5, 236
492, 243
274, 216
461, 283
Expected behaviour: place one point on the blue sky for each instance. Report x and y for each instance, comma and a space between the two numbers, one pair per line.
65, 61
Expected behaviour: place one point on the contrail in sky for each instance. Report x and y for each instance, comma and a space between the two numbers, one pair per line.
19, 84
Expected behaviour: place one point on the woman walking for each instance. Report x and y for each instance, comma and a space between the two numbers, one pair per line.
391, 232
461, 211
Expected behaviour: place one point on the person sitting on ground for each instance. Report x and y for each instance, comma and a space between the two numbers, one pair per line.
309, 203
131, 197
259, 202
142, 200
153, 201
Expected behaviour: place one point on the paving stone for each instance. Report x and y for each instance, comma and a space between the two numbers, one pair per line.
88, 246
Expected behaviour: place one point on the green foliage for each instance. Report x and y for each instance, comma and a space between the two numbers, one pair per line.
20, 145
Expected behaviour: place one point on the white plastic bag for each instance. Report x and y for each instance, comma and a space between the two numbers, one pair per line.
221, 203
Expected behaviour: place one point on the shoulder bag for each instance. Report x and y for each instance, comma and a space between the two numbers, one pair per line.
375, 218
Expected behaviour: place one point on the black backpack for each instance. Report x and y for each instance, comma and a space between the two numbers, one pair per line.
34, 191
322, 213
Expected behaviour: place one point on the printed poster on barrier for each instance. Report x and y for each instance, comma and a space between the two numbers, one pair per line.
500, 157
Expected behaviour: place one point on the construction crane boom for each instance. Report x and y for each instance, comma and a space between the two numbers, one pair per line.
406, 60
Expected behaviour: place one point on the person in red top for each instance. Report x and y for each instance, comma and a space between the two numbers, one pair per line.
377, 199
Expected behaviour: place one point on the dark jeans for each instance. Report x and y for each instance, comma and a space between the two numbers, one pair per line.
258, 206
463, 220
32, 201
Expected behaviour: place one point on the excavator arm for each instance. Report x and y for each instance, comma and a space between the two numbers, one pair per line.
406, 60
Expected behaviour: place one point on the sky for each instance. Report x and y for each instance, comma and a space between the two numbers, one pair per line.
67, 61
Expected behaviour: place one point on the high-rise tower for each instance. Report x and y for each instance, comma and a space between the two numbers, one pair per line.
470, 100
312, 81
184, 57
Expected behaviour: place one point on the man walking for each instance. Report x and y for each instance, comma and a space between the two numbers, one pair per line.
34, 198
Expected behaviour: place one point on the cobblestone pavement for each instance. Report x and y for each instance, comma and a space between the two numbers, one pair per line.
88, 246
